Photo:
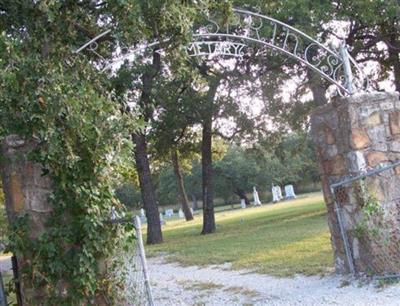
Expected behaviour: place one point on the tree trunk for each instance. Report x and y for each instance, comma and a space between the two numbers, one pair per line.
207, 173
242, 195
317, 88
181, 187
154, 234
206, 158
316, 85
394, 59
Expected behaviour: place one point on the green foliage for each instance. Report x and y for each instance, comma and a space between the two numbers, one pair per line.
236, 168
3, 222
372, 224
166, 188
71, 111
291, 162
78, 129
129, 195
360, 230
388, 281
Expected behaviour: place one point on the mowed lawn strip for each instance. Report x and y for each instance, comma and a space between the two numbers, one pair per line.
282, 239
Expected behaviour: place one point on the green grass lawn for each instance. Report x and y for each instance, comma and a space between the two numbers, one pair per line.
281, 239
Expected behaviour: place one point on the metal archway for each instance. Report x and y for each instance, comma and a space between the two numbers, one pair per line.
247, 29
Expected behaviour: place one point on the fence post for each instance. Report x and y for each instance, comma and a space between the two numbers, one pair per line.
3, 298
18, 294
344, 53
138, 227
343, 233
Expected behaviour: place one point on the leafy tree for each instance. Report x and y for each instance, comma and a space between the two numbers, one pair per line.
236, 173
373, 33
170, 23
193, 183
172, 134
128, 195
181, 188
296, 152
289, 161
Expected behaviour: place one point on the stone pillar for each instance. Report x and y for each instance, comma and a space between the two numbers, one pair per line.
352, 135
25, 187
26, 190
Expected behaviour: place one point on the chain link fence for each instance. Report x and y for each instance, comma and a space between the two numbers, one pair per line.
130, 271
368, 214
9, 285
3, 297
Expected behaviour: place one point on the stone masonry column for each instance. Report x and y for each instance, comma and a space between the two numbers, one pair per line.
26, 190
352, 135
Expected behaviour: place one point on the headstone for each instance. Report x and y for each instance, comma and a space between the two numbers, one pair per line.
289, 192
275, 196
142, 215
279, 192
169, 213
256, 198
191, 210
242, 203
114, 214
162, 222
180, 213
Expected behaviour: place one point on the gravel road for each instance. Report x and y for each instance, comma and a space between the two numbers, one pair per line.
219, 285
174, 285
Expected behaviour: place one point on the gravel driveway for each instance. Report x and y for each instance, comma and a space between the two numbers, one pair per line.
174, 285
219, 285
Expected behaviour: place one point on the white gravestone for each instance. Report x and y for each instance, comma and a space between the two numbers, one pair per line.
169, 213
142, 215
180, 213
256, 198
279, 192
275, 196
114, 214
162, 222
242, 203
289, 192
276, 193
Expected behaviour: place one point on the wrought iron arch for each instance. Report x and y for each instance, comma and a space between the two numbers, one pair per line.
248, 28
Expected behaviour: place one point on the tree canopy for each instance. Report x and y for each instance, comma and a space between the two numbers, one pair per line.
225, 124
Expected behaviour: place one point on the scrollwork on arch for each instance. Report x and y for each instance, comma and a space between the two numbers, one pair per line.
247, 29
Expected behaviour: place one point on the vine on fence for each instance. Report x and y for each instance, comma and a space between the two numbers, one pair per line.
371, 224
